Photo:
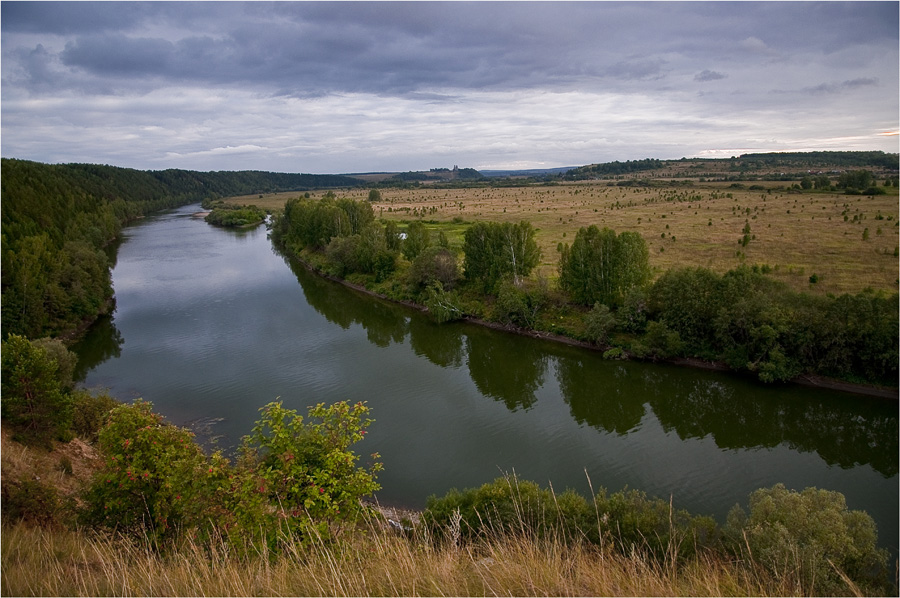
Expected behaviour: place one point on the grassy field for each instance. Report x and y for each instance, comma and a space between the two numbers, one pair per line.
45, 562
848, 242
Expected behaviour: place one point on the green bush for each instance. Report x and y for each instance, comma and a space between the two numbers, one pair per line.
90, 414
810, 535
509, 505
155, 479
31, 501
627, 520
600, 322
444, 306
304, 471
433, 264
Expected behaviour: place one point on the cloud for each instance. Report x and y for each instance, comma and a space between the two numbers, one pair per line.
707, 75
345, 86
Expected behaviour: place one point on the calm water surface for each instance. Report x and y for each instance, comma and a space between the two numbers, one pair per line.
212, 324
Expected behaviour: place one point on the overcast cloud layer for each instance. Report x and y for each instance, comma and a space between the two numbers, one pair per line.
359, 87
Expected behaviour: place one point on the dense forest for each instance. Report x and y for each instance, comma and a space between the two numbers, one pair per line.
57, 220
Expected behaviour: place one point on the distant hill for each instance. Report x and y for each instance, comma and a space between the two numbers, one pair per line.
530, 172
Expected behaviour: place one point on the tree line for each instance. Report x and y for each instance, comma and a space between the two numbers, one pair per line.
58, 219
604, 294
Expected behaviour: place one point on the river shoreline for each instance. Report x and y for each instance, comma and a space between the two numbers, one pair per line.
809, 380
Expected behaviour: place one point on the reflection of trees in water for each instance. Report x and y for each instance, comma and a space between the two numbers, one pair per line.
384, 323
505, 367
600, 394
101, 342
736, 416
441, 344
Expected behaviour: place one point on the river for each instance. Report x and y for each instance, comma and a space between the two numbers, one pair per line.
212, 324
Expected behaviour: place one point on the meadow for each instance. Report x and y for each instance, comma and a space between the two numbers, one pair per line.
819, 242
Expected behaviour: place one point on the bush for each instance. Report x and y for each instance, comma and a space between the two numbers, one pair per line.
600, 322
32, 502
90, 414
519, 303
511, 506
662, 341
627, 520
810, 535
444, 306
155, 479
433, 264
305, 471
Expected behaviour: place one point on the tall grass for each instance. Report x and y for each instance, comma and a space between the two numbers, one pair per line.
372, 561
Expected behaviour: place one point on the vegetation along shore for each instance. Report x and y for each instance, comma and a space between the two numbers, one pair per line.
782, 267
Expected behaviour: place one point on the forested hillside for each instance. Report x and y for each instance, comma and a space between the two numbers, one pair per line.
57, 219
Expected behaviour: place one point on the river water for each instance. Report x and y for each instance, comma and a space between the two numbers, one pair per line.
212, 324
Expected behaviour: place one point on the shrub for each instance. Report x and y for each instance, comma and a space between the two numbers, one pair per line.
444, 306
662, 341
155, 478
600, 322
511, 506
520, 303
632, 521
31, 501
433, 264
90, 414
811, 535
614, 353
305, 472
627, 520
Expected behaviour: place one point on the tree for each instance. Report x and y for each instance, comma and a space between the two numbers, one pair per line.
33, 399
374, 195
494, 250
602, 266
417, 239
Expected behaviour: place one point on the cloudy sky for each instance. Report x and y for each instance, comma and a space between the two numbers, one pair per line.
360, 87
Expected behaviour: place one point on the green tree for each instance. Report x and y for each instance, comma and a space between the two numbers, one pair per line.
33, 399
602, 266
434, 264
417, 240
374, 195
495, 250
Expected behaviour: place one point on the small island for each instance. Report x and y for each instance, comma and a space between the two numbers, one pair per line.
233, 216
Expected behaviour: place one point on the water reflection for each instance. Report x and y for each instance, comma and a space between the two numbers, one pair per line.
505, 368
384, 323
840, 432
601, 394
101, 342
441, 344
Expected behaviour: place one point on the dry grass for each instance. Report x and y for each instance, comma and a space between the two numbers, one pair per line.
376, 562
796, 235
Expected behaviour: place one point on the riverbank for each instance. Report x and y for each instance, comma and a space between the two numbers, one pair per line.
808, 380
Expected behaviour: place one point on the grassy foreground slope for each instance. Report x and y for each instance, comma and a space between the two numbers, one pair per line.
48, 556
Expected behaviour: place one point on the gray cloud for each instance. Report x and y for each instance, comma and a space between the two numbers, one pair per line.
259, 84
707, 75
